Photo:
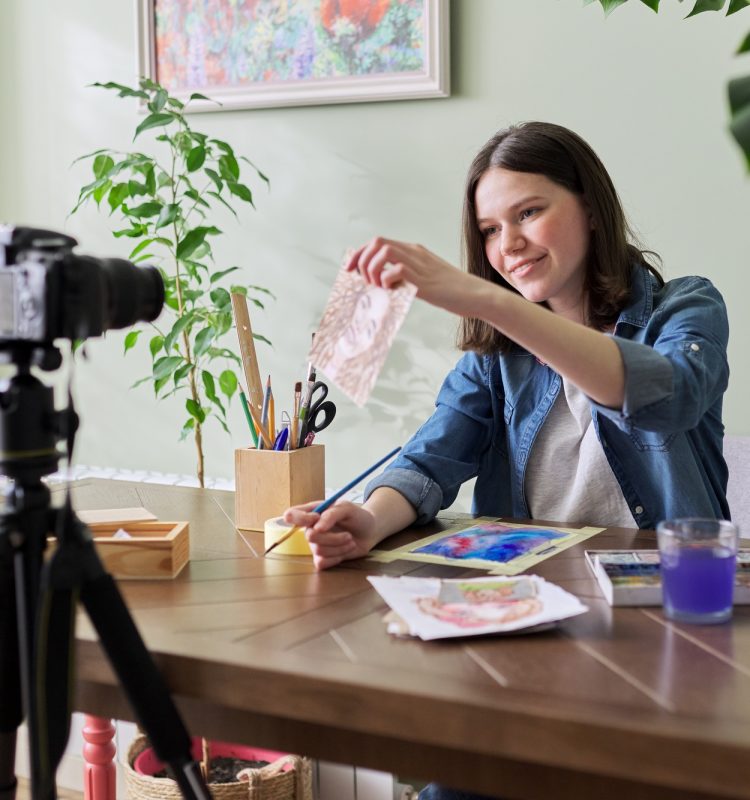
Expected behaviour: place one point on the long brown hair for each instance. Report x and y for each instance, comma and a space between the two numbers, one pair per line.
566, 159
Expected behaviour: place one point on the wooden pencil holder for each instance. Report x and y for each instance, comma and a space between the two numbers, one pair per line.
267, 482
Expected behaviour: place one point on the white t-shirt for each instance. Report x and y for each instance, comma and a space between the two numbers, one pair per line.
568, 477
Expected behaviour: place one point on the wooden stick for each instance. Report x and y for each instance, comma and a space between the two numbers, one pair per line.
247, 349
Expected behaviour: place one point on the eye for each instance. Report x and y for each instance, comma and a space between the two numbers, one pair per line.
528, 212
488, 232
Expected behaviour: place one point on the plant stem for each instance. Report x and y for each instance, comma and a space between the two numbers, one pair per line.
198, 437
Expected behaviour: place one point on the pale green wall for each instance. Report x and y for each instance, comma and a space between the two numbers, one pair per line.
646, 91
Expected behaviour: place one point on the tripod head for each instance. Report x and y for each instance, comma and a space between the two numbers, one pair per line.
30, 427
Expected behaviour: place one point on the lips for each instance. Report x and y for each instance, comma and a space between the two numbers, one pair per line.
520, 269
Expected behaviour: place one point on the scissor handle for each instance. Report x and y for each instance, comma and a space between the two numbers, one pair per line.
324, 407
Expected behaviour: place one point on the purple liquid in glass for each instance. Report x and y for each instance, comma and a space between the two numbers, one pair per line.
698, 581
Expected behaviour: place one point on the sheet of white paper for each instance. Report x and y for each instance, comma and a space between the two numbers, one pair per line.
435, 609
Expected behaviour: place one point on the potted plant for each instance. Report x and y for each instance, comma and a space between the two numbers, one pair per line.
162, 200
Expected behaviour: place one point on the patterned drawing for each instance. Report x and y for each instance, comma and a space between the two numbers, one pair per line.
356, 332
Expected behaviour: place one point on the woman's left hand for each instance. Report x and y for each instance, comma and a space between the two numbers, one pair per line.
386, 263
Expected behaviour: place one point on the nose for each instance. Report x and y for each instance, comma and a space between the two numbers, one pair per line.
511, 240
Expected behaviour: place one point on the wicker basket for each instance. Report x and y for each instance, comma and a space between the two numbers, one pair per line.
272, 782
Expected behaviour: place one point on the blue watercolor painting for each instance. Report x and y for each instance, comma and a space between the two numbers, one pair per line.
492, 542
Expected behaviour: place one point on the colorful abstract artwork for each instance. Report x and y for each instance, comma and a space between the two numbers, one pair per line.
487, 543
234, 48
492, 542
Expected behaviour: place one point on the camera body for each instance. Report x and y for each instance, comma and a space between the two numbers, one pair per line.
48, 292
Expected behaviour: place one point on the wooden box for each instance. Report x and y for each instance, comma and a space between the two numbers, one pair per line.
267, 482
155, 549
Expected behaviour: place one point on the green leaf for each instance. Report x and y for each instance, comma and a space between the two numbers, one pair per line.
102, 165
220, 297
228, 167
131, 233
745, 46
136, 188
195, 195
209, 384
228, 382
241, 191
197, 96
177, 329
221, 200
192, 240
203, 341
123, 91
739, 103
144, 210
160, 98
195, 158
159, 384
610, 5
268, 180
737, 5
153, 121
706, 5
187, 429
182, 373
652, 4
131, 339
117, 194
100, 191
150, 180
217, 276
139, 248
195, 410
164, 367
168, 215
156, 344
215, 178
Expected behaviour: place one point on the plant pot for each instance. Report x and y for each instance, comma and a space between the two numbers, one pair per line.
286, 777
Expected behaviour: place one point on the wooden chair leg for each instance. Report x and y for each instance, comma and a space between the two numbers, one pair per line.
99, 772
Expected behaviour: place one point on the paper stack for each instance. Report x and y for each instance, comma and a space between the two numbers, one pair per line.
431, 608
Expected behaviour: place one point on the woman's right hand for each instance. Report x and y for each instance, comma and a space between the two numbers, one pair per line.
342, 532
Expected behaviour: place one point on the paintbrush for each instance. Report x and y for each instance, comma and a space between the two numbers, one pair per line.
321, 507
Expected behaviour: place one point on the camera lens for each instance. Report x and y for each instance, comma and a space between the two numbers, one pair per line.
133, 293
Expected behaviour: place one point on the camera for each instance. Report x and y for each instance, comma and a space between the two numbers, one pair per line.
48, 292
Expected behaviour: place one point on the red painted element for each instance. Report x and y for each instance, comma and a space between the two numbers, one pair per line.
99, 773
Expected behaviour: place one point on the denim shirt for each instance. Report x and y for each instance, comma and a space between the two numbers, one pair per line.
664, 445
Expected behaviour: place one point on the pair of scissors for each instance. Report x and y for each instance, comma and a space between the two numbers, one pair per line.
320, 412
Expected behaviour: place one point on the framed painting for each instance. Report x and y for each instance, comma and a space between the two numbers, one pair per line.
268, 53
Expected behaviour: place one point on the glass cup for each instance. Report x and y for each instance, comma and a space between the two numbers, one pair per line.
698, 558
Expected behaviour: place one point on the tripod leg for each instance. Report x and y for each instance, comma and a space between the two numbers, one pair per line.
7, 765
143, 683
10, 691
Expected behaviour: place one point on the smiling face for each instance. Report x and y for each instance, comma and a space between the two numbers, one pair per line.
536, 237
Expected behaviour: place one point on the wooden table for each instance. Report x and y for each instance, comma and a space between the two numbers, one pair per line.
615, 703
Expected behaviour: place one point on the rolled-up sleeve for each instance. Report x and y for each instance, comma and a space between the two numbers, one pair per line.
447, 449
676, 368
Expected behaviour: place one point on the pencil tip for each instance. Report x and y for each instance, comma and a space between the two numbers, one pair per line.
298, 386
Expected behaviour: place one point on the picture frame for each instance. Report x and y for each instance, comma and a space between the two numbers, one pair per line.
309, 54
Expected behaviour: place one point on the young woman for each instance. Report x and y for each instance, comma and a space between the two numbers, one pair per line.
591, 390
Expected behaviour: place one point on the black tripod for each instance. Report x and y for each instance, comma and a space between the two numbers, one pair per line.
38, 599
